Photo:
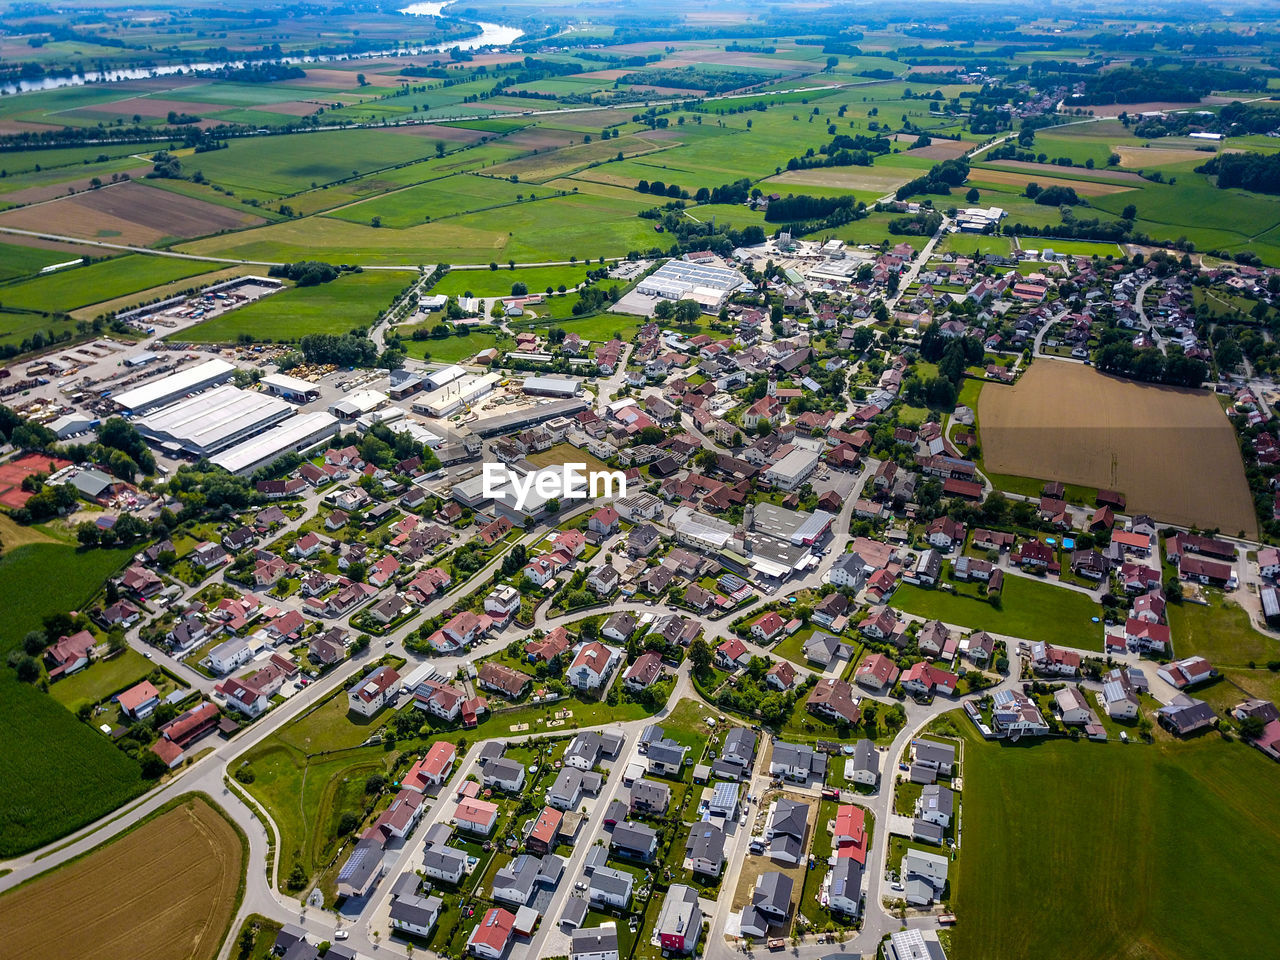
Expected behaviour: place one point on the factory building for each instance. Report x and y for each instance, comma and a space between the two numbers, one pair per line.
552, 387
203, 425
290, 388
456, 394
299, 433
165, 390
444, 376
709, 284
358, 403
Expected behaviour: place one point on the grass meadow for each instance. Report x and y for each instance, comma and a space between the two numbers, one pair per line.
1130, 850
353, 300
1029, 608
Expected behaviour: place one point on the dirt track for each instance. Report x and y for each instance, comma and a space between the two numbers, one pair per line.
1172, 452
165, 890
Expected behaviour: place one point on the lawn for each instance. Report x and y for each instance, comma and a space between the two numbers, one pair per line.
497, 283
1031, 610
1062, 819
353, 300
450, 349
101, 679
1219, 632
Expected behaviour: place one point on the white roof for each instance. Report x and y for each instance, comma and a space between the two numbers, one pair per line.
290, 384
176, 384
277, 441
215, 419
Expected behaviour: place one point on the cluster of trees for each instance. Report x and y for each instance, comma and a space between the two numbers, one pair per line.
690, 78
1119, 356
940, 179
737, 192
952, 357
595, 299
925, 223
257, 73
660, 189
165, 166
684, 313
1259, 172
843, 151
343, 350
1054, 196
308, 273
1187, 84
802, 207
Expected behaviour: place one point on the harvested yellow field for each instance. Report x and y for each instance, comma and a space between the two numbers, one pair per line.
1171, 451
162, 891
1139, 158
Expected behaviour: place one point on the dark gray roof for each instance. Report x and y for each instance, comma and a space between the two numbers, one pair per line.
503, 769
739, 745
937, 752
491, 750
419, 911
575, 911
935, 796
773, 891
667, 751
790, 818
864, 756
611, 881
650, 794
364, 862
596, 857
927, 831
594, 940
846, 878
634, 836
706, 842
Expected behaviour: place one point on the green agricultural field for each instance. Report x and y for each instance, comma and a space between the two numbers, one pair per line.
583, 226
1221, 633
273, 167
1058, 818
353, 300
497, 283
1030, 609
445, 197
60, 773
969, 243
18, 261
97, 282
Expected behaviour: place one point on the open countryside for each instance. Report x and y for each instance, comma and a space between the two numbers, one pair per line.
938, 617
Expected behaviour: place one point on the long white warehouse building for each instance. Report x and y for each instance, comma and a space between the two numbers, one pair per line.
213, 421
296, 434
165, 390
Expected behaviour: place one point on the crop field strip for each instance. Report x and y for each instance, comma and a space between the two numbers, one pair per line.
1171, 451
100, 897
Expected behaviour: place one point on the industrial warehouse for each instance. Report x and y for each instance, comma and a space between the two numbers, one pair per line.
294, 435
159, 393
212, 421
708, 284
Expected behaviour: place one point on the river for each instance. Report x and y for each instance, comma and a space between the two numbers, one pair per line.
490, 35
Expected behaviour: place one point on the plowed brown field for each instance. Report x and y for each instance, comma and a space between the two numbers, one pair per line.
163, 891
1172, 452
